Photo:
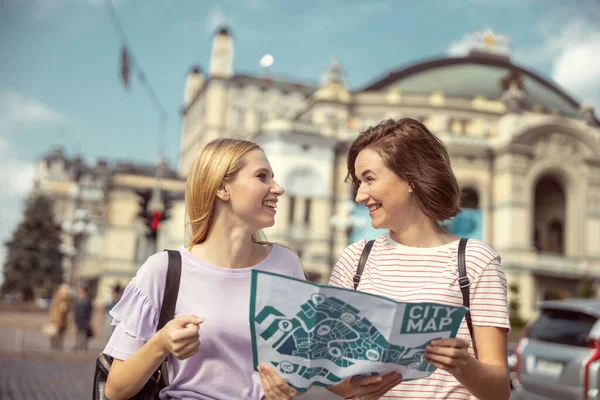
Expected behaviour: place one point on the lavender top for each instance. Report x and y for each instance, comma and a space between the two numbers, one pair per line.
222, 368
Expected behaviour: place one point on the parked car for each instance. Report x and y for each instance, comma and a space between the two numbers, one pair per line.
558, 356
512, 361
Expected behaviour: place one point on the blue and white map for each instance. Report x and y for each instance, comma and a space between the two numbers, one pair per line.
321, 335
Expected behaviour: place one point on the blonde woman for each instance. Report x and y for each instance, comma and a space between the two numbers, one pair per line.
230, 195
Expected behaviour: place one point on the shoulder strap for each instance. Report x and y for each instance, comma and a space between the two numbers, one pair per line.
167, 309
361, 263
463, 281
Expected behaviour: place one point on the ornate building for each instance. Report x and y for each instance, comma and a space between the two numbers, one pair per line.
526, 153
101, 196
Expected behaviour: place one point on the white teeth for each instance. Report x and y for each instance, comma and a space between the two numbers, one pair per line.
271, 204
374, 207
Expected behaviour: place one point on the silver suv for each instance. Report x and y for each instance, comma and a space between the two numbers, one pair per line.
559, 354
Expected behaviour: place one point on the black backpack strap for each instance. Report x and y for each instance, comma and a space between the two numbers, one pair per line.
167, 310
463, 281
361, 263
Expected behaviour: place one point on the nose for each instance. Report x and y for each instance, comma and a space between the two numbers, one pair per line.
276, 189
361, 195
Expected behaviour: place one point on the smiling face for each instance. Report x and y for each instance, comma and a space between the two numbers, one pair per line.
387, 196
253, 193
404, 158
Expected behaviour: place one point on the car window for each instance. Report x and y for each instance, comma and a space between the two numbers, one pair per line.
563, 327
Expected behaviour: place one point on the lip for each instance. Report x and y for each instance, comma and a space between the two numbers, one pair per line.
273, 210
371, 213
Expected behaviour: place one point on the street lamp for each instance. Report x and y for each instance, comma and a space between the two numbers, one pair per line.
79, 230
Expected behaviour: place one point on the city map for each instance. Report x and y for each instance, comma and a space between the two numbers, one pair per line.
320, 335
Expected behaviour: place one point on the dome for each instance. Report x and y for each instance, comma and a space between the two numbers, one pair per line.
473, 76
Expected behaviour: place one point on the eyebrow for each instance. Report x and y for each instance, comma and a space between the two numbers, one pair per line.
265, 170
368, 171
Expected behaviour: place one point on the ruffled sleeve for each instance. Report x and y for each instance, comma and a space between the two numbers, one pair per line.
136, 314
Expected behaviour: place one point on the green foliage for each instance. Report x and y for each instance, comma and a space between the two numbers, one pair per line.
33, 262
516, 321
586, 289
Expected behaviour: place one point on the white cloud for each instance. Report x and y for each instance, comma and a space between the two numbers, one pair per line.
17, 113
576, 60
461, 46
568, 50
15, 174
16, 178
17, 110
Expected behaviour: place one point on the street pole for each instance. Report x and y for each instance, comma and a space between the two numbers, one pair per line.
334, 200
156, 199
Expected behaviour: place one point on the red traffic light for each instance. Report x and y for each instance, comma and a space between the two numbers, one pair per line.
156, 218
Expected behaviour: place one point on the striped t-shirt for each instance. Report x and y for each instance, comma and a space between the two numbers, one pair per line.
414, 274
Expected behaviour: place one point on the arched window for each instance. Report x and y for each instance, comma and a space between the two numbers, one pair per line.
555, 237
549, 215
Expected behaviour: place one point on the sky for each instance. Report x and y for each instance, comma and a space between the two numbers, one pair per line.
59, 75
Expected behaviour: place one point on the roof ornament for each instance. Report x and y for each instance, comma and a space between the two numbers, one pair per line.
587, 111
513, 94
487, 42
334, 74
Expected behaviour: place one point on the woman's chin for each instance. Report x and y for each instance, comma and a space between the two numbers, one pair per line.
377, 224
267, 224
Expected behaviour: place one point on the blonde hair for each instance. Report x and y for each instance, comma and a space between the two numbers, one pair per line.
217, 162
63, 292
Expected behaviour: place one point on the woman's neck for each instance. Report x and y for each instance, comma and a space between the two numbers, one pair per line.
421, 232
229, 246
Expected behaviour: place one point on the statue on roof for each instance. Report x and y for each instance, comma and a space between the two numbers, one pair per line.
513, 94
334, 74
488, 42
587, 111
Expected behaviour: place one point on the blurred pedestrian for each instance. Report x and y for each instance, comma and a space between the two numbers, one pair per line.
230, 196
59, 310
83, 319
401, 172
115, 296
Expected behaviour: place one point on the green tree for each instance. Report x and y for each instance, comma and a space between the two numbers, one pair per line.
33, 262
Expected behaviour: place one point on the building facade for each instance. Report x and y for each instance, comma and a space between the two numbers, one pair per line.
103, 197
527, 156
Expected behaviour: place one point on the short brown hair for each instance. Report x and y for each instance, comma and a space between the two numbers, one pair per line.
417, 156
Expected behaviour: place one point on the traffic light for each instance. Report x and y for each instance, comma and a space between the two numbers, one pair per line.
150, 216
167, 205
145, 214
144, 202
157, 217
